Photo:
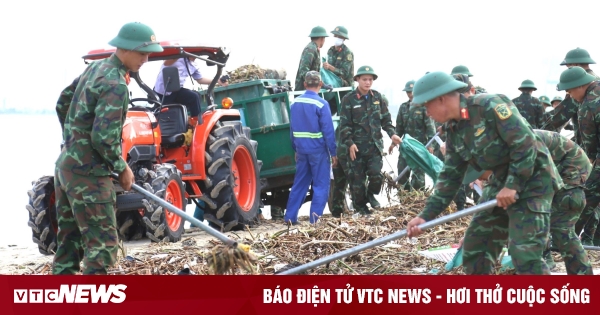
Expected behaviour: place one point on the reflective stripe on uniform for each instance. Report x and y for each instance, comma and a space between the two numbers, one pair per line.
314, 135
308, 101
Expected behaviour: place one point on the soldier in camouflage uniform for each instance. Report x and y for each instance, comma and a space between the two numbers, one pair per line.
487, 132
311, 56
567, 109
584, 92
568, 203
574, 168
555, 101
340, 59
529, 106
545, 100
412, 120
91, 112
364, 114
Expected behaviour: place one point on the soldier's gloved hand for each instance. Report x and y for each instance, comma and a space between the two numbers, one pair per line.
413, 229
352, 152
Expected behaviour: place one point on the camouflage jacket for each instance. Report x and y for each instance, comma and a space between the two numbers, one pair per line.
494, 137
413, 120
589, 120
531, 109
566, 110
572, 163
342, 59
309, 61
91, 112
363, 117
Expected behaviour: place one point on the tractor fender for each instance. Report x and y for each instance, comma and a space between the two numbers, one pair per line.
202, 132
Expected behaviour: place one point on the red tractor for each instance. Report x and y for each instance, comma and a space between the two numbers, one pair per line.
219, 167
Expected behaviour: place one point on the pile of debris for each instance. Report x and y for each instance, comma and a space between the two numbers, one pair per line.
283, 247
254, 72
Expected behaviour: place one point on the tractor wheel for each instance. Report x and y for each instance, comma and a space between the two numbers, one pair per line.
42, 214
161, 224
348, 206
232, 187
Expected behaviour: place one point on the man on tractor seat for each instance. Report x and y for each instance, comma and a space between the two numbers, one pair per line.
187, 67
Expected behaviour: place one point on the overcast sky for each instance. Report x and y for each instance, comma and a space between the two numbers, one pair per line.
502, 42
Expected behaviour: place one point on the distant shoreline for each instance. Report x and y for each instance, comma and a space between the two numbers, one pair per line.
26, 112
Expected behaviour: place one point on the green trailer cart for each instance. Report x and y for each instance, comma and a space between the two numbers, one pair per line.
264, 105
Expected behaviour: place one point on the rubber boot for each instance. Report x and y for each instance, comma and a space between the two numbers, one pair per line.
276, 213
373, 201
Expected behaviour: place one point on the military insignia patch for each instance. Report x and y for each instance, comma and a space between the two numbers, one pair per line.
417, 113
337, 28
411, 85
349, 57
153, 38
479, 131
502, 111
339, 58
376, 103
367, 68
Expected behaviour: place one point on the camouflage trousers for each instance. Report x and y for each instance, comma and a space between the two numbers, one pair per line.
340, 184
368, 164
526, 223
85, 209
461, 197
590, 216
566, 208
418, 179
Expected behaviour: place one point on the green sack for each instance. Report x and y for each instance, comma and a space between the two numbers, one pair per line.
330, 78
456, 261
417, 157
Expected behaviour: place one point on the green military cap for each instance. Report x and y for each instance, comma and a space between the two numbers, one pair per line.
434, 84
312, 77
577, 55
545, 99
409, 86
365, 70
574, 77
318, 31
471, 175
461, 70
340, 31
136, 36
527, 84
557, 98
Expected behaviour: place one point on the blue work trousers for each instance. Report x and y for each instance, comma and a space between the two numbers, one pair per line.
309, 167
